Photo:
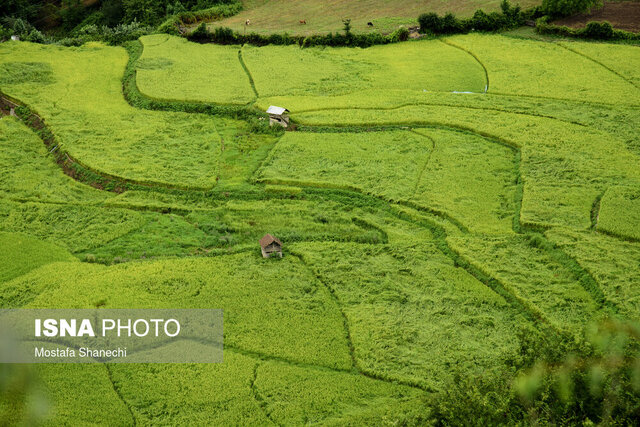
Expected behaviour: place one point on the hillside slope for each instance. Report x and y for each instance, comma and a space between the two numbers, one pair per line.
323, 16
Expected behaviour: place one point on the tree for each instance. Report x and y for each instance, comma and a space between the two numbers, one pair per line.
347, 27
72, 13
24, 9
113, 12
558, 8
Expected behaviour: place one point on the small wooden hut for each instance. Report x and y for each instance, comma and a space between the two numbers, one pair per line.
270, 245
278, 115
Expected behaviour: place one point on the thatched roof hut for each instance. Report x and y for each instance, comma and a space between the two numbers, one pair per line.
270, 245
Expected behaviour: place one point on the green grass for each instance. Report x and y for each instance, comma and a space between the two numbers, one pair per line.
94, 398
541, 69
77, 228
59, 393
86, 111
158, 235
22, 253
533, 276
273, 307
406, 212
613, 263
564, 166
378, 108
621, 59
338, 71
293, 395
242, 390
471, 178
172, 68
191, 394
392, 298
326, 16
246, 222
28, 172
466, 176
384, 163
620, 212
233, 226
26, 72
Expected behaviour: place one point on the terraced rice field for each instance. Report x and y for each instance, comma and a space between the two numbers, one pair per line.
167, 58
442, 205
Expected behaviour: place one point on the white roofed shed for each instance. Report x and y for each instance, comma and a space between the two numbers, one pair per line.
278, 115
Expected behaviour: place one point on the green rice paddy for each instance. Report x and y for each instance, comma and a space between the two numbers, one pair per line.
442, 204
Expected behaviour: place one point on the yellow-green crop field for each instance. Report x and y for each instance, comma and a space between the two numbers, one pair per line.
450, 210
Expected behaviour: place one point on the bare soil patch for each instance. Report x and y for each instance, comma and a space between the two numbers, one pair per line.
622, 15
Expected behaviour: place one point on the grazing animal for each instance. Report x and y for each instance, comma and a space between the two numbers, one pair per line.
370, 24
303, 21
247, 22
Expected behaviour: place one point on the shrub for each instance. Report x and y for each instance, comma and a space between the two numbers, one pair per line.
5, 33
201, 33
146, 11
429, 22
448, 24
367, 40
21, 27
170, 26
71, 41
153, 12
593, 30
596, 382
17, 26
224, 35
95, 19
279, 39
599, 30
88, 30
254, 39
399, 35
224, 10
563, 383
451, 25
347, 27
35, 36
176, 8
124, 32
557, 8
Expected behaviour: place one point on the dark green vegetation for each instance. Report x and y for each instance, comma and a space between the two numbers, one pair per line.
75, 22
225, 35
593, 30
568, 7
514, 17
76, 13
446, 254
509, 17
